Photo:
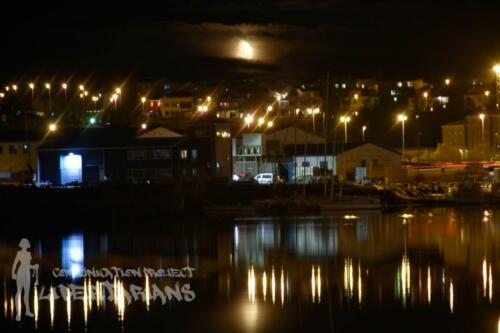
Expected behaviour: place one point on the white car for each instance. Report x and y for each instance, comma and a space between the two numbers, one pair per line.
264, 178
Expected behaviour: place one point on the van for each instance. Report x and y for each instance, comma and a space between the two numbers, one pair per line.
264, 178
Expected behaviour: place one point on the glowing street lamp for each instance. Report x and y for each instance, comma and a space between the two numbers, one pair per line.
248, 120
363, 130
113, 99
118, 90
143, 101
270, 124
14, 87
64, 87
496, 69
345, 120
260, 121
2, 95
144, 126
52, 127
447, 82
47, 86
81, 87
92, 121
482, 116
402, 118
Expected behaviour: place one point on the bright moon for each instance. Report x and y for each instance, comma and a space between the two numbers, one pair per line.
245, 50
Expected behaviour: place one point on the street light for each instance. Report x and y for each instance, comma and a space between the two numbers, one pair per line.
447, 82
496, 69
248, 120
52, 127
81, 87
270, 124
402, 118
47, 86
64, 87
482, 116
345, 120
143, 101
260, 121
363, 130
113, 99
14, 87
144, 126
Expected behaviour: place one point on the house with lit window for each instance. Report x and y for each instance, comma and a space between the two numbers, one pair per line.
18, 156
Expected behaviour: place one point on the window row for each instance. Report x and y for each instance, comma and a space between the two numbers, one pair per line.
150, 173
14, 149
148, 154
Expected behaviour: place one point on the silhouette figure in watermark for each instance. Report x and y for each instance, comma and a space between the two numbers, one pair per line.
22, 275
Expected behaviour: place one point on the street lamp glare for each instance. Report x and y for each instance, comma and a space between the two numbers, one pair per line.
64, 86
47, 86
32, 86
496, 68
481, 116
52, 127
402, 117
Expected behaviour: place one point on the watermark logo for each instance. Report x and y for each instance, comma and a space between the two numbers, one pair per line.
97, 285
22, 272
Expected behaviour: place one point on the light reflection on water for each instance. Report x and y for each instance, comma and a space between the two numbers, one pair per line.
442, 259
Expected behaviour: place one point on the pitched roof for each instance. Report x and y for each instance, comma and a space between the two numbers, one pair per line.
103, 137
159, 132
455, 123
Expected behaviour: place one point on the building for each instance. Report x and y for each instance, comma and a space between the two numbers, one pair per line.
18, 156
477, 137
266, 151
94, 155
371, 161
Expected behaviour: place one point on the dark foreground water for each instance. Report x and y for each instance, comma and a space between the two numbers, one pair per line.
424, 270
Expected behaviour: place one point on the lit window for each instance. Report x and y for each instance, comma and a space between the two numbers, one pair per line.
13, 149
184, 154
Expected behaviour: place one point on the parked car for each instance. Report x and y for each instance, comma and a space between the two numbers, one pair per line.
243, 177
264, 178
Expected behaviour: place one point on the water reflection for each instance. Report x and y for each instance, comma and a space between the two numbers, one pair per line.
441, 261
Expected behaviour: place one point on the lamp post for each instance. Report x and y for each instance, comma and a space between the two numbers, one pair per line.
496, 69
32, 88
143, 101
345, 120
363, 130
402, 118
47, 86
482, 116
426, 96
268, 109
64, 86
248, 120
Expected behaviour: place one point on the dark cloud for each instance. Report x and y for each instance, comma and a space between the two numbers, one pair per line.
198, 38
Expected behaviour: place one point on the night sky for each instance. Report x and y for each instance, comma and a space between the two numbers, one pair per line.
291, 39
